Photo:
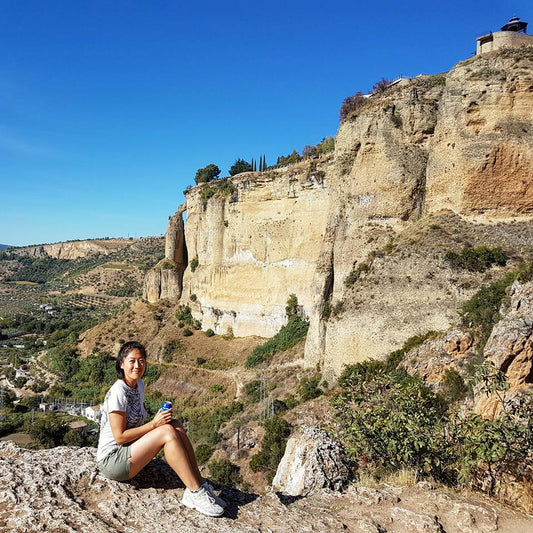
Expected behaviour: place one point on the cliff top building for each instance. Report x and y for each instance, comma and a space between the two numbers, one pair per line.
512, 35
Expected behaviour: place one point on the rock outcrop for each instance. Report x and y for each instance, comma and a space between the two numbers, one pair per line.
60, 490
255, 246
431, 360
165, 280
312, 461
455, 147
510, 349
74, 249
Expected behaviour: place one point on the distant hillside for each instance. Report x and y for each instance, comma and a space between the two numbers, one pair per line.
4, 246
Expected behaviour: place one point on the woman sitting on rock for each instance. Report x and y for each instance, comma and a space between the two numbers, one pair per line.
127, 444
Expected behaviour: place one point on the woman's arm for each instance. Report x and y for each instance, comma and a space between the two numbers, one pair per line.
117, 421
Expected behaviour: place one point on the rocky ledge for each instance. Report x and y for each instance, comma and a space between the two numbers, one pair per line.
60, 490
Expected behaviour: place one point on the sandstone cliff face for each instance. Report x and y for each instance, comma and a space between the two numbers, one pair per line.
424, 146
74, 249
255, 247
165, 281
481, 162
344, 236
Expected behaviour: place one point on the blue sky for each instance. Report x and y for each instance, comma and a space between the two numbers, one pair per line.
108, 107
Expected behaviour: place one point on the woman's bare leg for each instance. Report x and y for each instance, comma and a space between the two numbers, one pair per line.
189, 450
176, 454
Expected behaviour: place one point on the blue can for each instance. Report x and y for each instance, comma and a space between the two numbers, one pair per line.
165, 406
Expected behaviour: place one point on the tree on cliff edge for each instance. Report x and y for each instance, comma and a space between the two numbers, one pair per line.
206, 174
240, 166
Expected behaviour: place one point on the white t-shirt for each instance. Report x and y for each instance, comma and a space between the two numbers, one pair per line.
120, 397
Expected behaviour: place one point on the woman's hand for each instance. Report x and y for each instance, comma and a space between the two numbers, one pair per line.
161, 418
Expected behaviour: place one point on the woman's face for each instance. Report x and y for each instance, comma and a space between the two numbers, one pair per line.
134, 366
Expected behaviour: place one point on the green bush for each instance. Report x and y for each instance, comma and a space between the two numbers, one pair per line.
482, 311
277, 431
187, 332
194, 263
477, 259
209, 333
253, 391
205, 424
396, 357
453, 387
225, 472
287, 337
392, 420
207, 174
203, 453
309, 389
173, 347
184, 315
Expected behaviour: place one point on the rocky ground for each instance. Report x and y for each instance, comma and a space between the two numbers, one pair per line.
60, 490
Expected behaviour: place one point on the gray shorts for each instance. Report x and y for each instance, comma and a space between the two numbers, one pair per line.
116, 465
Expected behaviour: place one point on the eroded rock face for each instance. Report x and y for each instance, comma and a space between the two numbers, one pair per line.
510, 348
433, 358
60, 490
461, 143
256, 247
165, 280
312, 461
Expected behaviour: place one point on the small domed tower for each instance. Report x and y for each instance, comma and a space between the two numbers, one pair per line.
512, 35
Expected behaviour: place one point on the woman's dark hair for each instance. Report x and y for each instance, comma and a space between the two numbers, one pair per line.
125, 349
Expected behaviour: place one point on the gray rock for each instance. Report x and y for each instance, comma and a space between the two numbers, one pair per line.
312, 461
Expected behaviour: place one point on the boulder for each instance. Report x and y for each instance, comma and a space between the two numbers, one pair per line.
312, 461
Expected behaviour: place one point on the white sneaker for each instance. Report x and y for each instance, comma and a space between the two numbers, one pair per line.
218, 500
202, 501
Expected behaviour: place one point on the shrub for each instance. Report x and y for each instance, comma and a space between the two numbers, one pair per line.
392, 420
187, 332
482, 311
239, 166
396, 357
309, 388
477, 259
209, 333
350, 105
225, 472
288, 336
194, 297
201, 361
172, 347
217, 387
277, 430
381, 86
203, 452
184, 315
253, 391
356, 272
453, 387
194, 263
207, 174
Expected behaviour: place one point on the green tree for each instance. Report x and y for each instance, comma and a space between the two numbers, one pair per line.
207, 174
48, 430
240, 166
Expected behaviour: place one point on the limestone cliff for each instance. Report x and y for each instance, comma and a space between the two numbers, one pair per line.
254, 246
459, 142
74, 249
431, 163
165, 281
